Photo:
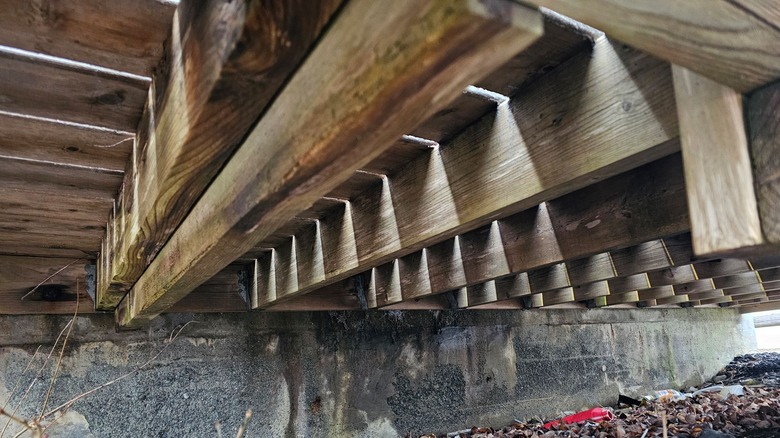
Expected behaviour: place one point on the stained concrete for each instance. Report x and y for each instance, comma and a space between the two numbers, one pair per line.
368, 374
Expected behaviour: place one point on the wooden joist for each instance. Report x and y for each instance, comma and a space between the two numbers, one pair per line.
734, 43
124, 35
33, 222
225, 292
759, 307
225, 62
57, 142
40, 88
19, 275
561, 40
531, 149
336, 113
525, 252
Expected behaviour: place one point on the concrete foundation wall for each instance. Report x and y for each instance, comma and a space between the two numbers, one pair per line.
364, 374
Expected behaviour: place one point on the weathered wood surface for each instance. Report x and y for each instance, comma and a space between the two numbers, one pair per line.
46, 225
561, 41
762, 307
763, 106
46, 90
734, 43
54, 141
124, 35
529, 246
19, 275
718, 174
220, 293
623, 207
225, 63
721, 267
307, 143
532, 149
58, 179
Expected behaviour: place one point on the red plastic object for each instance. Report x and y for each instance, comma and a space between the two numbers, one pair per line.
595, 414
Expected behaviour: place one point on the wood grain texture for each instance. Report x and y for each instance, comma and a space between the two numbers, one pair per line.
718, 174
733, 44
721, 267
764, 126
762, 307
220, 293
531, 149
19, 275
58, 179
528, 249
54, 141
560, 42
225, 63
45, 90
360, 108
124, 35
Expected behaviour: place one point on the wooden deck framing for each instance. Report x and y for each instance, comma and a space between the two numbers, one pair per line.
348, 154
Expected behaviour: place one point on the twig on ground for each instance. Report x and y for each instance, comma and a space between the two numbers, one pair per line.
56, 372
242, 429
37, 376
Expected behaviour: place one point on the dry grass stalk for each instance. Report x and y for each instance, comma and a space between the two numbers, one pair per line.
38, 425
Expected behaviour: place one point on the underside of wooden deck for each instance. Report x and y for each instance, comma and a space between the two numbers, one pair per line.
276, 155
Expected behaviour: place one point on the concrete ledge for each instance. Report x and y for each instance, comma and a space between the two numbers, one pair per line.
372, 373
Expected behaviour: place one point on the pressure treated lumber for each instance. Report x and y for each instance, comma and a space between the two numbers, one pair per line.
55, 141
718, 174
531, 149
19, 275
225, 63
762, 307
58, 179
531, 245
732, 42
336, 113
561, 41
763, 106
72, 94
220, 293
125, 35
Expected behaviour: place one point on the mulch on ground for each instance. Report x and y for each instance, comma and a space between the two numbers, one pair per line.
712, 413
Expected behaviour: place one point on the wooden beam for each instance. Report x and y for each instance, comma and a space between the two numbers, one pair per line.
762, 109
359, 108
733, 43
718, 174
519, 152
225, 63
